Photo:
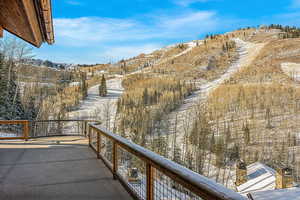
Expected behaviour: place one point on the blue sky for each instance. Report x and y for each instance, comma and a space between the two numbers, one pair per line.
99, 31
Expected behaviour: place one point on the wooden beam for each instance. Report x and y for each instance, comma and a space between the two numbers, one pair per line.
32, 18
13, 121
26, 130
1, 31
115, 159
19, 18
150, 182
98, 146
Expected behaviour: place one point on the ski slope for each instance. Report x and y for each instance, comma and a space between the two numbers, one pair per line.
181, 120
99, 108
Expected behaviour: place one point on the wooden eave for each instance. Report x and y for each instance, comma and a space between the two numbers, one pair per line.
30, 20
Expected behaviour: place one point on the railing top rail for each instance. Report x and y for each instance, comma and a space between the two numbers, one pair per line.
53, 120
13, 121
65, 120
205, 186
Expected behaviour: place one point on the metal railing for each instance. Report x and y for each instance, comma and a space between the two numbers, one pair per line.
50, 128
145, 174
14, 129
149, 176
23, 129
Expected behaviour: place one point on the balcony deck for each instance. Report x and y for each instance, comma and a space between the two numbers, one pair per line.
43, 169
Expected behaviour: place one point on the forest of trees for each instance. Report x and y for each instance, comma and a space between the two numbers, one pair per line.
28, 93
288, 31
146, 100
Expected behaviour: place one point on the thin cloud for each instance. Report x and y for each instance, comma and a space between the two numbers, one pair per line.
74, 3
186, 3
108, 39
121, 52
87, 31
295, 4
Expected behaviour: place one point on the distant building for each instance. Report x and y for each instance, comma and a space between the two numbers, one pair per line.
259, 178
260, 182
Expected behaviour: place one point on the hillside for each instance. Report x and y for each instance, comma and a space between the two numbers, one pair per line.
233, 90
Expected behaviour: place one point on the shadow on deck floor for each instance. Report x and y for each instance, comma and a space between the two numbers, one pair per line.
43, 169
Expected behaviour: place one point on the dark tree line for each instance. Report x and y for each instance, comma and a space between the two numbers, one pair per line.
10, 101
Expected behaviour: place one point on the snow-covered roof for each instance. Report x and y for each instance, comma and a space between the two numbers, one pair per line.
283, 194
260, 178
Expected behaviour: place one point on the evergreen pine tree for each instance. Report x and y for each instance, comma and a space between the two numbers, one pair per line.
10, 100
83, 87
102, 87
145, 96
31, 112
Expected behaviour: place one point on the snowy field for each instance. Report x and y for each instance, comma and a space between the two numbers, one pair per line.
4, 134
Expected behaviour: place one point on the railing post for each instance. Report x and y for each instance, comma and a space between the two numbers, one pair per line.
85, 128
150, 182
115, 159
90, 135
26, 130
98, 145
1, 32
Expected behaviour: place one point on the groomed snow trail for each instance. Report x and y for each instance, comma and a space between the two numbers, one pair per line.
185, 114
100, 108
191, 45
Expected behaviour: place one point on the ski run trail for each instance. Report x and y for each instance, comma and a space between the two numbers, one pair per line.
99, 108
181, 120
104, 109
191, 45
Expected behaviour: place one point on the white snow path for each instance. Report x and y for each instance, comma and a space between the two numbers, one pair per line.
191, 45
100, 108
186, 112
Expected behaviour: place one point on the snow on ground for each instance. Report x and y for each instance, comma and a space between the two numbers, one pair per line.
283, 194
185, 114
77, 83
191, 45
22, 85
95, 107
4, 134
292, 70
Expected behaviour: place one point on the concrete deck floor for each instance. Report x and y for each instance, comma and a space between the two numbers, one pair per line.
43, 169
